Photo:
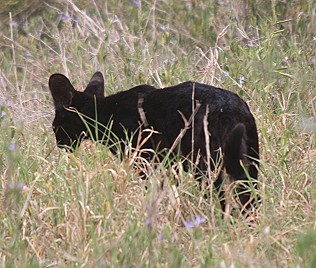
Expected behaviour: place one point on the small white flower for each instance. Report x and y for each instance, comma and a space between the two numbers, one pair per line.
14, 24
9, 104
115, 19
266, 230
242, 80
226, 73
163, 28
27, 54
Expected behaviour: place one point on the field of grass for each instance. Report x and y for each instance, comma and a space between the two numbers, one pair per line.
90, 209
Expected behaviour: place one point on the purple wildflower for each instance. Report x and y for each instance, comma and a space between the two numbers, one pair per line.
189, 224
161, 237
136, 3
9, 104
12, 147
199, 220
63, 17
17, 186
194, 223
75, 19
250, 43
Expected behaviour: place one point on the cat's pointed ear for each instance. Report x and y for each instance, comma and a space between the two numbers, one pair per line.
96, 85
62, 91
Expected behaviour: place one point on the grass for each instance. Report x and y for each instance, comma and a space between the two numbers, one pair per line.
91, 209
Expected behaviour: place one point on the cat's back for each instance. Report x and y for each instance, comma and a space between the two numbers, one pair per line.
133, 92
198, 90
128, 99
180, 96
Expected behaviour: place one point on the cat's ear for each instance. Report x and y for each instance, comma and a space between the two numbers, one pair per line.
96, 85
62, 91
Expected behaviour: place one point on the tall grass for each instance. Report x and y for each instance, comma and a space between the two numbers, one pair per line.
91, 209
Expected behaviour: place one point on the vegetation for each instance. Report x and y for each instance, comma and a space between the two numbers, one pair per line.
91, 209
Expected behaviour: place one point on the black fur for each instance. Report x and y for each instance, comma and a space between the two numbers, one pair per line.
230, 124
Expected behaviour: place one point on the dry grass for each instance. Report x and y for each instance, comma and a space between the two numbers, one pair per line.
89, 208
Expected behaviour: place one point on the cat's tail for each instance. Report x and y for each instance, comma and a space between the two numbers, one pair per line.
235, 151
238, 165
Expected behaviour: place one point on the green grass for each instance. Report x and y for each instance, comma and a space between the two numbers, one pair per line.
91, 209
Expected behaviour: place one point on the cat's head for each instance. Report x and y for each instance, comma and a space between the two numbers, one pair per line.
71, 107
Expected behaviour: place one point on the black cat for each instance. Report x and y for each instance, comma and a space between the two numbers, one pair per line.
197, 121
